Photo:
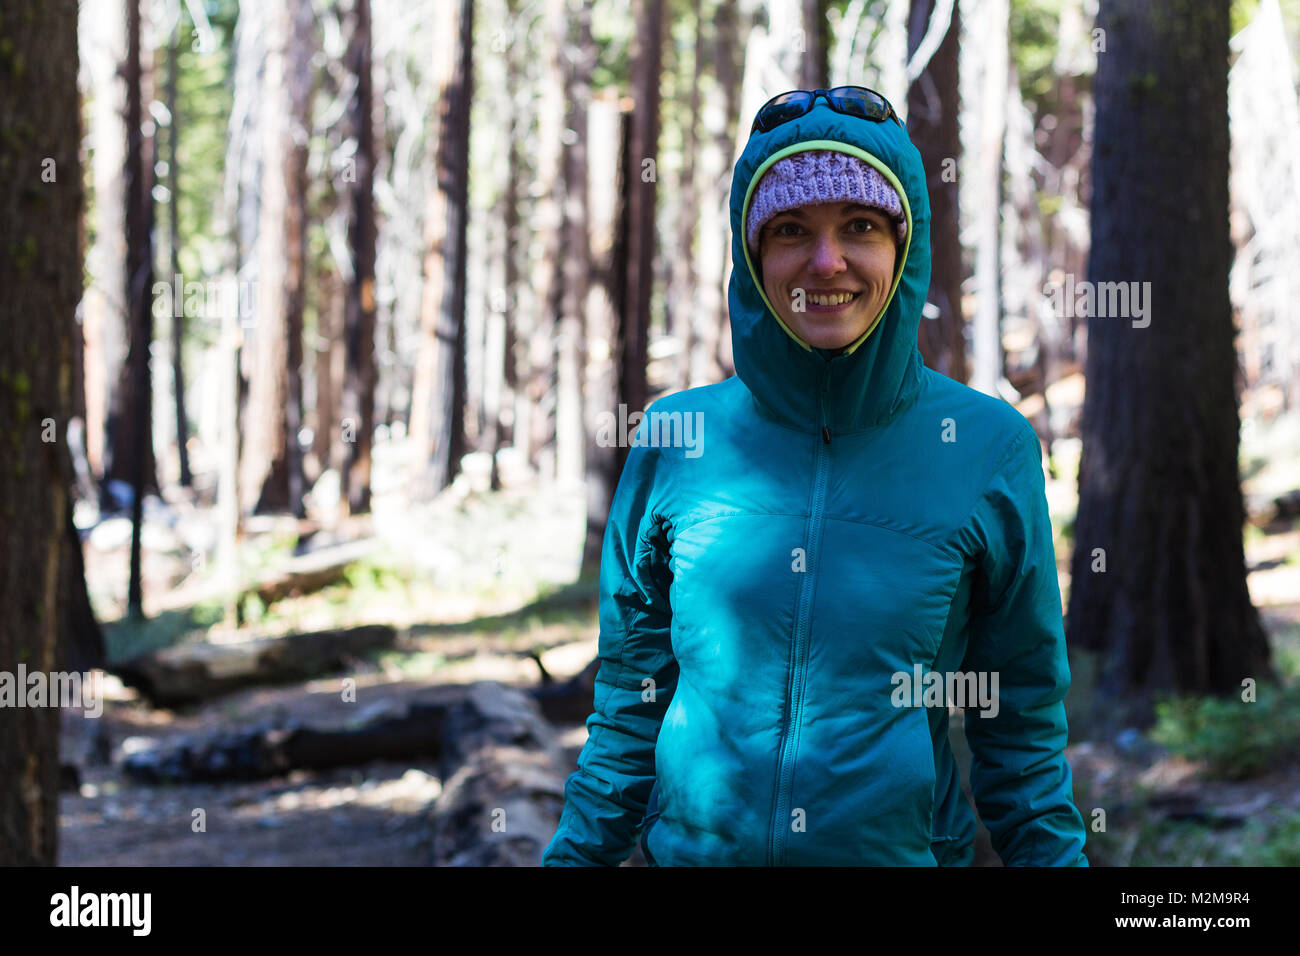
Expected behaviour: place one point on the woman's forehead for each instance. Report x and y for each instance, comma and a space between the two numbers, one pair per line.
842, 208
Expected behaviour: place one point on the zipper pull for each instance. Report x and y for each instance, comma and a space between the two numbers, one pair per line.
826, 384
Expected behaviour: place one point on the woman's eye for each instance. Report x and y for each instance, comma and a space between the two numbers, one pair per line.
863, 222
781, 226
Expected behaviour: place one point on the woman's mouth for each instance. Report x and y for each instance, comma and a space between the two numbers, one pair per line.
831, 303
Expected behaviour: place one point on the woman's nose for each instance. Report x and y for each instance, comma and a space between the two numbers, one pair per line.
827, 257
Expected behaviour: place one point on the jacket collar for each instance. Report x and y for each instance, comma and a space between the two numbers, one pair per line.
875, 378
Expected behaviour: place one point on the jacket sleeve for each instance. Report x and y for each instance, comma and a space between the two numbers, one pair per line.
1019, 775
605, 799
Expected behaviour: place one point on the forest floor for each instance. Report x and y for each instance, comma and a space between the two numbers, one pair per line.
460, 580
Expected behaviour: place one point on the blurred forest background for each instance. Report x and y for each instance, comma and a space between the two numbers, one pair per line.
311, 309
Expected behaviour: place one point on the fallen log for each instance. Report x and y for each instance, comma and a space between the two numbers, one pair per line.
570, 701
269, 751
503, 781
502, 767
190, 673
300, 574
312, 571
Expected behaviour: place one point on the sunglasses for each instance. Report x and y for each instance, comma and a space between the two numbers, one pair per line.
850, 100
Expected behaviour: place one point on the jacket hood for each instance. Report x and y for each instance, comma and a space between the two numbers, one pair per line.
875, 377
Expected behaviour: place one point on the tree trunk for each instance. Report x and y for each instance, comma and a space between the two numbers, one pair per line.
271, 472
235, 223
105, 306
359, 301
329, 368
510, 377
82, 639
548, 223
40, 269
299, 83
130, 422
986, 339
438, 401
932, 109
577, 63
1159, 583
813, 71
715, 336
683, 275
604, 125
174, 246
640, 185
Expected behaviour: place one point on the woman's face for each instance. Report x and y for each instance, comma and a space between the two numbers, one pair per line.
813, 255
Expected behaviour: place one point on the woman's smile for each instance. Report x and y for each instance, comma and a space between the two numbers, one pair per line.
831, 301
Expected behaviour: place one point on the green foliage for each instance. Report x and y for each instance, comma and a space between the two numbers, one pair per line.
1067, 528
611, 31
254, 609
1280, 842
273, 551
1286, 650
1243, 11
129, 637
418, 665
1235, 739
1253, 536
204, 98
1149, 839
372, 575
1033, 39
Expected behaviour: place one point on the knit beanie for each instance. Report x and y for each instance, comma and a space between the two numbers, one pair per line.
817, 176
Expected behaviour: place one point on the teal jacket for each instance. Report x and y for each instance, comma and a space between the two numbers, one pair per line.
829, 522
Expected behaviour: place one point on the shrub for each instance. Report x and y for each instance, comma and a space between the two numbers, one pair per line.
1236, 739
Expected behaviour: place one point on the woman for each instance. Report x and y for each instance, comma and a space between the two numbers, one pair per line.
851, 522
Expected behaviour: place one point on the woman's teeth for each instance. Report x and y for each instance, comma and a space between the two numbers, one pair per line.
832, 299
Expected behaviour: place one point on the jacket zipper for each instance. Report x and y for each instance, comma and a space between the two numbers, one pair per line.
790, 729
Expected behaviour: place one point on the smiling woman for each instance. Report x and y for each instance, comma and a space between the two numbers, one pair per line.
761, 603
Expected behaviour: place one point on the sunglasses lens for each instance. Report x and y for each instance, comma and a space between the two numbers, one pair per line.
860, 101
782, 109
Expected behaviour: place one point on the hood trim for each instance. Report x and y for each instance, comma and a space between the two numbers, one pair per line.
884, 170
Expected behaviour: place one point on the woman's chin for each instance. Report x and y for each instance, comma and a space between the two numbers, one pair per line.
830, 338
